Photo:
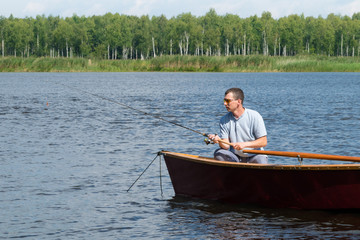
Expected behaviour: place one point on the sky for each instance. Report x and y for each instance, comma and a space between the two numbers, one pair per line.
172, 8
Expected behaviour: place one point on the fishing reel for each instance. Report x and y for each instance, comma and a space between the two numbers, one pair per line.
208, 141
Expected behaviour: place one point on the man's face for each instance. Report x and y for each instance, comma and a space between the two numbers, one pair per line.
230, 103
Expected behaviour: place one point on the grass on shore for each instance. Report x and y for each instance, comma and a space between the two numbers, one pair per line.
176, 63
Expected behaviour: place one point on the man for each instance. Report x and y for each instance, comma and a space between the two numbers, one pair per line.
242, 127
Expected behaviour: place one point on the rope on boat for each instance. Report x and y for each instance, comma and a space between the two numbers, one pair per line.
157, 155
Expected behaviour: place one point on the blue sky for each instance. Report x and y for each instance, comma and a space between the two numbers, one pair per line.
170, 8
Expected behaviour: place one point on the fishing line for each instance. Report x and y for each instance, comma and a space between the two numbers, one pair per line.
145, 113
206, 140
135, 109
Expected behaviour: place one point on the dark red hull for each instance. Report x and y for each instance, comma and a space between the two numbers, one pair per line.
278, 186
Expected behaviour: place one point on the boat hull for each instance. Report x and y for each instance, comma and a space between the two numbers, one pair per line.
278, 186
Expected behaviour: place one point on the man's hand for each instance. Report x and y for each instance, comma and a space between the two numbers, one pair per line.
214, 137
239, 145
258, 143
223, 143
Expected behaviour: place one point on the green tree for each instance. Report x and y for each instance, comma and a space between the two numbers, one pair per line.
159, 31
231, 32
323, 40
188, 33
53, 22
349, 27
119, 36
41, 35
142, 36
80, 41
212, 33
3, 34
336, 25
269, 36
292, 34
64, 37
309, 34
19, 36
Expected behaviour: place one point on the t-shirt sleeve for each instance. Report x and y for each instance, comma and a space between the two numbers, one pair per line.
224, 129
259, 127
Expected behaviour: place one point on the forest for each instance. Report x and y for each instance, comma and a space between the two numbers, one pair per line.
115, 36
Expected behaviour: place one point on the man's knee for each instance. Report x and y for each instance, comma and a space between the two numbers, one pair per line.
225, 155
262, 159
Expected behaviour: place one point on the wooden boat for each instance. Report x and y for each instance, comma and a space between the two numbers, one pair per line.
334, 186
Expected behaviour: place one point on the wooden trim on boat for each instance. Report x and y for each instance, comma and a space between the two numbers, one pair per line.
212, 161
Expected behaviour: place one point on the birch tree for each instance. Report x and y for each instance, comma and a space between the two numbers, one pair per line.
3, 23
269, 28
63, 36
142, 37
231, 32
108, 35
212, 33
20, 37
160, 30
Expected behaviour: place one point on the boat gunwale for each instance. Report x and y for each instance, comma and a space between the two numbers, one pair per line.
212, 161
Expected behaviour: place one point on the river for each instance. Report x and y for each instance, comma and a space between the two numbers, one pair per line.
68, 156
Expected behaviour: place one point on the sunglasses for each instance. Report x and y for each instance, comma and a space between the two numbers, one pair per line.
228, 101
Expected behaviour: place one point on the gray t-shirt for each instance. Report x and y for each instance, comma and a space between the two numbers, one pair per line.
249, 127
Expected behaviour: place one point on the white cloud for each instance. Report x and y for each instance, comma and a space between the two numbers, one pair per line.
34, 8
281, 8
170, 8
68, 12
143, 7
96, 9
350, 8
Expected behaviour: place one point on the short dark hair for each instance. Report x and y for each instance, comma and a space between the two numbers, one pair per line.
237, 93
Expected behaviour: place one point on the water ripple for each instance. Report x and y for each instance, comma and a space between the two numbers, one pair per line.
67, 158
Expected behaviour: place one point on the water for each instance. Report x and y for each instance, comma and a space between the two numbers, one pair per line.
67, 157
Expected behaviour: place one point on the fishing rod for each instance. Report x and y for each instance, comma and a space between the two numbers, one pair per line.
138, 110
207, 141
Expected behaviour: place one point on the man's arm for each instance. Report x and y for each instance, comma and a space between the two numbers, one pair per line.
215, 138
223, 145
258, 143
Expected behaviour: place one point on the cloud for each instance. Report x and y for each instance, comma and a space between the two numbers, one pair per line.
34, 8
67, 8
172, 8
350, 8
96, 9
142, 7
282, 8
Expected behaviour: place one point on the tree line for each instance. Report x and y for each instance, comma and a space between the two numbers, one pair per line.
115, 36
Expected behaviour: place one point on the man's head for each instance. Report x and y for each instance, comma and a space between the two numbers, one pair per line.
237, 93
233, 100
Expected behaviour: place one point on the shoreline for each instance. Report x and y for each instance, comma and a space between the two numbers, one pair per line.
176, 63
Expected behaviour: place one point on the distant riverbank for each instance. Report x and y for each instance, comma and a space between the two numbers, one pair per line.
252, 63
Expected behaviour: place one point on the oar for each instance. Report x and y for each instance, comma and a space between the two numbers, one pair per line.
304, 155
299, 154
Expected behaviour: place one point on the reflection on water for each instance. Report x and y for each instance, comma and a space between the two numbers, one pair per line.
67, 158
220, 221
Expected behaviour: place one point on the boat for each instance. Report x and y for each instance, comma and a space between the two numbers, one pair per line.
315, 186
